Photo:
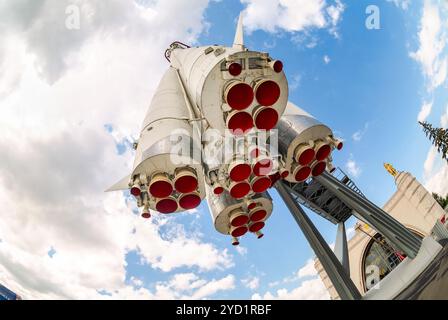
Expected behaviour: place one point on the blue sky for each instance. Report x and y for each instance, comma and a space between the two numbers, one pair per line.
77, 103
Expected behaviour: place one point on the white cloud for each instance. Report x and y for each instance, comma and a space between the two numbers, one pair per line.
241, 250
185, 281
435, 171
438, 182
251, 282
335, 13
425, 111
353, 167
190, 286
432, 42
295, 82
179, 251
428, 166
403, 4
62, 88
327, 59
306, 38
292, 15
312, 289
308, 270
358, 135
136, 282
350, 232
433, 57
444, 119
184, 286
213, 286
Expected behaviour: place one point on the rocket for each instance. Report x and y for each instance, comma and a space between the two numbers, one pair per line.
220, 127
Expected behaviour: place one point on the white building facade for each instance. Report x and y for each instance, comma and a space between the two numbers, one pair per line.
413, 206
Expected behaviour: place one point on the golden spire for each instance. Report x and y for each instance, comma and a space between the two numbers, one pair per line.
391, 169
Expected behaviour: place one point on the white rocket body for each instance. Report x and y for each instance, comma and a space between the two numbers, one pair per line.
230, 90
305, 144
204, 72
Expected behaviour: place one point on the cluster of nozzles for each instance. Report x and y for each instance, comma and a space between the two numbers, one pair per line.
240, 95
242, 222
168, 193
256, 173
247, 176
310, 159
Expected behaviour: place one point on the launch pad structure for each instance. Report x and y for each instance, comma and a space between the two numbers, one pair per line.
338, 199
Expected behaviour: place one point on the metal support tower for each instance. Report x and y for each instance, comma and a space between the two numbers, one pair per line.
341, 247
368, 212
334, 269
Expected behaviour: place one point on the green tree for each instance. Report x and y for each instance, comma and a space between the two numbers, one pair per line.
443, 201
438, 137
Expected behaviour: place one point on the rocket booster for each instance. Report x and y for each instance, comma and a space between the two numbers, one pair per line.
220, 127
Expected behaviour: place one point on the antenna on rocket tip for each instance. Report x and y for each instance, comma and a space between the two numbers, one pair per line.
238, 42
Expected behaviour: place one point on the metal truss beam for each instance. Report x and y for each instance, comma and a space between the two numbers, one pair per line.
378, 219
341, 280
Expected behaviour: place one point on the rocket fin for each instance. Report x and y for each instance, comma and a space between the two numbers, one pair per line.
292, 109
238, 43
123, 184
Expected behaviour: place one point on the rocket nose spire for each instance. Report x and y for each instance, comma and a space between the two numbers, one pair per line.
238, 42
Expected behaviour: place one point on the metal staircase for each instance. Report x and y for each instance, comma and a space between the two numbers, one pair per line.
321, 200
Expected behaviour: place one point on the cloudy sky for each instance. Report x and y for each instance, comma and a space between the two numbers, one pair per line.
72, 101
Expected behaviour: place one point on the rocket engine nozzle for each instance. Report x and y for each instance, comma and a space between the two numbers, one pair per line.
258, 214
267, 92
190, 201
239, 95
265, 118
135, 190
256, 226
160, 186
166, 205
304, 154
276, 65
259, 234
238, 218
185, 180
240, 231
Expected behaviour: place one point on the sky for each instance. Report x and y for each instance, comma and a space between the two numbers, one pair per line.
72, 101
